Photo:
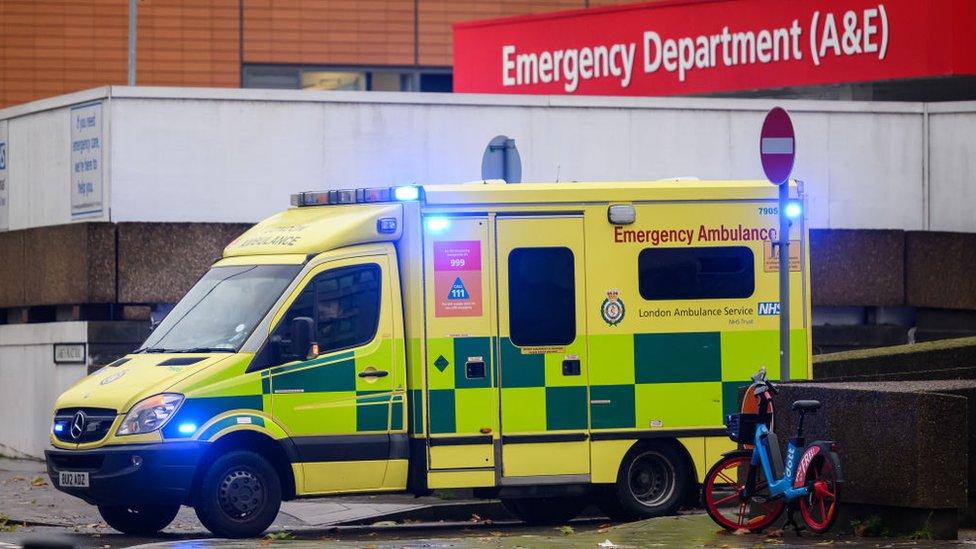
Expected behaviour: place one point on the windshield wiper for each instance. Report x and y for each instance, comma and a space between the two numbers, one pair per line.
203, 350
152, 350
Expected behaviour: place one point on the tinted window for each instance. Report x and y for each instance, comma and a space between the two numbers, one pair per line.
541, 296
696, 273
345, 305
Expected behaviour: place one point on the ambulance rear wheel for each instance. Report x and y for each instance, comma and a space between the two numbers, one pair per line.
240, 495
138, 521
651, 482
545, 511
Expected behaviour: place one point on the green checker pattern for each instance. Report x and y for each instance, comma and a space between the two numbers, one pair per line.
637, 381
332, 379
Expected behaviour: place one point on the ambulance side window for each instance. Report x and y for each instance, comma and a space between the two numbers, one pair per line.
720, 272
345, 305
541, 296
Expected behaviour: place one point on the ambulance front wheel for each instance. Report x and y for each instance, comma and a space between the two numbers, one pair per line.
652, 482
240, 495
138, 521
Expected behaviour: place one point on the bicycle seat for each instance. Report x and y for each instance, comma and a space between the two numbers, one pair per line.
806, 405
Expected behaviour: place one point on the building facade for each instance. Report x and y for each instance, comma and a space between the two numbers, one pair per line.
53, 47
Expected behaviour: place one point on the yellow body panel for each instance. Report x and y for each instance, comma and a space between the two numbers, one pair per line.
605, 458
545, 458
336, 477
272, 259
462, 456
461, 479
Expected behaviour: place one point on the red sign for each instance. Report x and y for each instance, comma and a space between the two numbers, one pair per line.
777, 146
701, 46
457, 278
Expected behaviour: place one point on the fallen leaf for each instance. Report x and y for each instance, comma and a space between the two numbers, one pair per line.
38, 481
741, 532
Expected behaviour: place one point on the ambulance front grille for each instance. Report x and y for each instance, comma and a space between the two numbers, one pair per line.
90, 426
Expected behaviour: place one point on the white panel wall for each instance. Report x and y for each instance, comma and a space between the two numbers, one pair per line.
39, 160
235, 155
30, 382
952, 147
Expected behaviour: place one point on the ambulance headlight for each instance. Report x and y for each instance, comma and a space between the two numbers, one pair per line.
150, 414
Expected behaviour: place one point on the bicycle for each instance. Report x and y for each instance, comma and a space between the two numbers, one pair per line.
756, 503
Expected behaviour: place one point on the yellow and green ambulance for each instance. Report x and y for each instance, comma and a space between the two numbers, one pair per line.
551, 345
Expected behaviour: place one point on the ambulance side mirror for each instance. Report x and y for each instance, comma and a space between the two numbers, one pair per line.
302, 332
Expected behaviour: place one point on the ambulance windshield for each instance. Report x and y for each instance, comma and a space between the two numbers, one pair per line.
221, 310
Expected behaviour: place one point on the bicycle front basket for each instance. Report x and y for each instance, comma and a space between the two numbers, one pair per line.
741, 428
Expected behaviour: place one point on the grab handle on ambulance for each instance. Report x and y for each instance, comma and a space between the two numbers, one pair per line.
474, 367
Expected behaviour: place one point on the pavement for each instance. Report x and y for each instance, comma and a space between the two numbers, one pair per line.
33, 514
28, 499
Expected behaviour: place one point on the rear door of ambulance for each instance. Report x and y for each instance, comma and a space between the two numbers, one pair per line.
542, 360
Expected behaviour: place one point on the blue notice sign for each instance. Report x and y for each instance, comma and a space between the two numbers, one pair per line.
458, 291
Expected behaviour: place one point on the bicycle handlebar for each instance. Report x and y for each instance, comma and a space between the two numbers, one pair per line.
763, 384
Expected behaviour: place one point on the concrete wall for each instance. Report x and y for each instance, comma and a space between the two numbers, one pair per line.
235, 155
30, 382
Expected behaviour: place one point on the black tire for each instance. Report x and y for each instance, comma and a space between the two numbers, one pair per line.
146, 520
652, 482
240, 495
545, 511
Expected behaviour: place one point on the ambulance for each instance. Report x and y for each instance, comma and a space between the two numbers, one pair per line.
553, 345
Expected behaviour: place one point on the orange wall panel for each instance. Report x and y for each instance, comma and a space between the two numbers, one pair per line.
436, 17
51, 47
329, 32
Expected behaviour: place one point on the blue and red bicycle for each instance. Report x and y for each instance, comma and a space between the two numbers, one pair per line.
751, 487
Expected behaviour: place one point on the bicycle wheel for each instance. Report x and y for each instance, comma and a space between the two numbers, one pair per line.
724, 484
819, 507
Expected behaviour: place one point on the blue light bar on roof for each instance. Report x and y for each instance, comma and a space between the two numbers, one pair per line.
404, 193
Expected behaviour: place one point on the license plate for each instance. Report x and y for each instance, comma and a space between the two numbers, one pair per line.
73, 479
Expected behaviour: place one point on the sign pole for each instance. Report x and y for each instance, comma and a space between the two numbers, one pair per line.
777, 151
784, 284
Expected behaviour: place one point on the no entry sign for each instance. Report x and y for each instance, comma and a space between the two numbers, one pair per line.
777, 146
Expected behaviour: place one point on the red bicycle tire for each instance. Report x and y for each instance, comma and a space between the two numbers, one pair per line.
824, 496
720, 472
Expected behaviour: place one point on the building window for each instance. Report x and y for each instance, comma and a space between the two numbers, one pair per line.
333, 80
298, 77
726, 272
541, 296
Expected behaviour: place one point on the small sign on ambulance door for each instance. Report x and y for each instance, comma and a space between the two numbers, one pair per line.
457, 278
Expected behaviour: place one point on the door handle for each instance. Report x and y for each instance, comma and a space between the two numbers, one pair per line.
373, 373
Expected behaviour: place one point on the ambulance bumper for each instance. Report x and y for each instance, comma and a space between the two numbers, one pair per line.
130, 475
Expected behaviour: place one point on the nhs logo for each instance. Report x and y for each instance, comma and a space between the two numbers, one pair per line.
768, 308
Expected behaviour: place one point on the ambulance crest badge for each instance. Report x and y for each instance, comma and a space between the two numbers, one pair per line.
612, 309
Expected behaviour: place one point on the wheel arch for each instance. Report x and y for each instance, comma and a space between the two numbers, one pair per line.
689, 468
275, 451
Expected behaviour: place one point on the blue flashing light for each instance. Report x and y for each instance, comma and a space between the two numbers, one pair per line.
793, 210
58, 427
406, 193
438, 224
187, 428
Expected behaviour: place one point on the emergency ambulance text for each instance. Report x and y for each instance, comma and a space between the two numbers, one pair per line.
689, 236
